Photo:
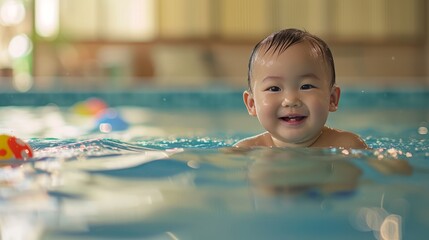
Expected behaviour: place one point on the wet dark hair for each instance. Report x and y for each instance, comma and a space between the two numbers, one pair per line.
278, 42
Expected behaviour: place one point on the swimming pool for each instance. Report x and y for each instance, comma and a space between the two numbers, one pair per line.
172, 174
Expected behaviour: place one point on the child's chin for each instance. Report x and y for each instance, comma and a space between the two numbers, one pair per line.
296, 139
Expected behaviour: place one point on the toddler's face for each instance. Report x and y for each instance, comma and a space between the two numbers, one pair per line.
291, 94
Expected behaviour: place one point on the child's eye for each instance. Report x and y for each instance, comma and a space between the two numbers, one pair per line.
307, 87
273, 89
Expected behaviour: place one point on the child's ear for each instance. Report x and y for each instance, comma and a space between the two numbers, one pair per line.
334, 99
249, 101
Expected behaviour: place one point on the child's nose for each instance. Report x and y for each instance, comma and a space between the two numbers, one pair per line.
291, 101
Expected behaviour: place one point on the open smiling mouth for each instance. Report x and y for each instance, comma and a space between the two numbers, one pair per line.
293, 119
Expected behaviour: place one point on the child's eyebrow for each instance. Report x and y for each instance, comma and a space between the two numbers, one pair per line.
301, 76
271, 77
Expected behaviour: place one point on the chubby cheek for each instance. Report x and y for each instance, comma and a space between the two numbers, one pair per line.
264, 104
319, 108
267, 113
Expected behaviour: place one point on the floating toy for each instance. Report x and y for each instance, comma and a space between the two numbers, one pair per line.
90, 107
110, 120
14, 148
96, 105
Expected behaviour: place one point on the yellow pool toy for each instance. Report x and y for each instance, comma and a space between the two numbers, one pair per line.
14, 148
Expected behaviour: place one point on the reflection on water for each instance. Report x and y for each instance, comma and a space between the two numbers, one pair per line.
108, 189
280, 172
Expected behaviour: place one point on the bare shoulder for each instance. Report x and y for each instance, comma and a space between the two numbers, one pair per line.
343, 139
262, 139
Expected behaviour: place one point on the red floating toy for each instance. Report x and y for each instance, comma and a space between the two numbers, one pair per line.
14, 148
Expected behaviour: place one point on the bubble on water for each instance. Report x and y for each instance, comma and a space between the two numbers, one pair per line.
193, 164
394, 152
391, 227
383, 224
105, 127
423, 130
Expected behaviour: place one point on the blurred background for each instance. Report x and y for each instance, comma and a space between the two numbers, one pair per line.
49, 45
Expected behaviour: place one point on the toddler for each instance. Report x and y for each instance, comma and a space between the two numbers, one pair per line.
291, 78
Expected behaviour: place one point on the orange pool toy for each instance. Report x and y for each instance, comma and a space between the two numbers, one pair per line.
14, 148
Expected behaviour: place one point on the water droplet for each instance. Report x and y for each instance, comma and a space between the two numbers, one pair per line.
423, 130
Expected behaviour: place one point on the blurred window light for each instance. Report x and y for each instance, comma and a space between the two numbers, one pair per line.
147, 21
125, 20
129, 20
23, 82
186, 18
12, 12
19, 46
47, 17
79, 19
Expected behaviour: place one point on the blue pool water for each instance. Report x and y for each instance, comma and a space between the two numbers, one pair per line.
172, 174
